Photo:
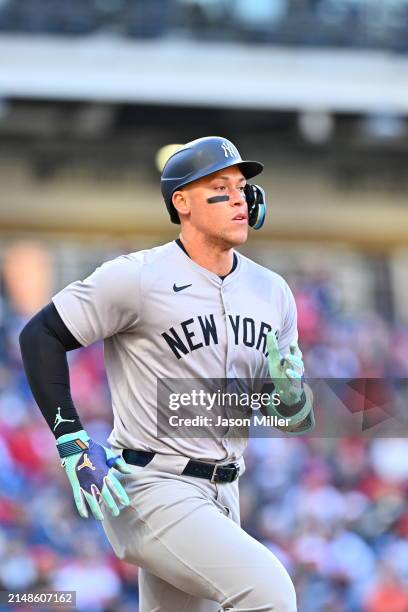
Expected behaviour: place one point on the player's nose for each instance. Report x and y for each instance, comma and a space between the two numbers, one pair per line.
237, 196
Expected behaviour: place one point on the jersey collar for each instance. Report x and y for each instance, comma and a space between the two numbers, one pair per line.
211, 275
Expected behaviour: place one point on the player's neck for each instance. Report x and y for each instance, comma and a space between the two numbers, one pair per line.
212, 257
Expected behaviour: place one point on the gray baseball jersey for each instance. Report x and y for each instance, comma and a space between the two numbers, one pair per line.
161, 315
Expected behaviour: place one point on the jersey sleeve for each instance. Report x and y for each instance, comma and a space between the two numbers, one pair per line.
106, 303
289, 332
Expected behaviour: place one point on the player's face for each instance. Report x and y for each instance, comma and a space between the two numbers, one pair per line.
226, 222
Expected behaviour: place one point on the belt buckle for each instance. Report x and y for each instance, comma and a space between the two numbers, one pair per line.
214, 474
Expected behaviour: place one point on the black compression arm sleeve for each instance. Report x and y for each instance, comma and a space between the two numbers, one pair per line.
44, 342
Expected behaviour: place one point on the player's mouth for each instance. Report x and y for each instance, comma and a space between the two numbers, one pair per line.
241, 218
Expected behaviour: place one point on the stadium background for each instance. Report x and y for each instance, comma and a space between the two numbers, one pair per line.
89, 93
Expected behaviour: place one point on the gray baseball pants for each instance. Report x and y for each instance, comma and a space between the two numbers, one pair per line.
184, 534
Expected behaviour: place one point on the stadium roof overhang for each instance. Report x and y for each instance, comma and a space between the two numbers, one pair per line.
107, 69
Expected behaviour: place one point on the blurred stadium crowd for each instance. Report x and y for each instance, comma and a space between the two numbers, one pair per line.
341, 23
334, 511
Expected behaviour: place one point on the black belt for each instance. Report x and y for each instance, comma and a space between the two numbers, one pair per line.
214, 472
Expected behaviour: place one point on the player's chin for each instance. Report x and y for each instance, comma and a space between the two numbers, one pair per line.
237, 235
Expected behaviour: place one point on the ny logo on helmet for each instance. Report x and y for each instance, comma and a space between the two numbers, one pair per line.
229, 149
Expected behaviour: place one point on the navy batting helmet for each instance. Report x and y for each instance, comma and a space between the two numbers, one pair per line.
197, 159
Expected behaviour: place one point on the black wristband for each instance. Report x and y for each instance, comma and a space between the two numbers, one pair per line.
72, 447
290, 411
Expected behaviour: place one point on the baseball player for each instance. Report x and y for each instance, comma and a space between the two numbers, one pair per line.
192, 308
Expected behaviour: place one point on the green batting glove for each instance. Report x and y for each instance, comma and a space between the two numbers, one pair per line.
286, 374
88, 466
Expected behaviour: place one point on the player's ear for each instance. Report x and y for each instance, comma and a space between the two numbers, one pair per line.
180, 203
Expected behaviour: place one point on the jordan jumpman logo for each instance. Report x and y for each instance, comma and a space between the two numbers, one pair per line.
59, 419
87, 463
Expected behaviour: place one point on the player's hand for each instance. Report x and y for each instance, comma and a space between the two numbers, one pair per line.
297, 399
89, 467
286, 372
